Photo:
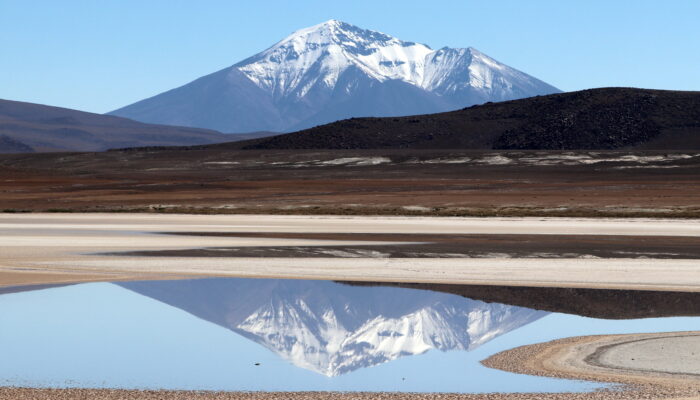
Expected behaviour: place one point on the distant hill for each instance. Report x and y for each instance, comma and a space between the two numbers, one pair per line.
607, 118
28, 127
10, 145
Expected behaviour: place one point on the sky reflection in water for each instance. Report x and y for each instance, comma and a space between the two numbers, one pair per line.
306, 335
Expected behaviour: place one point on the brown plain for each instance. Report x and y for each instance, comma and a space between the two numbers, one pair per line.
214, 180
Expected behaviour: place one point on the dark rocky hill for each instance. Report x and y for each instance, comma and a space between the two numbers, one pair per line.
606, 118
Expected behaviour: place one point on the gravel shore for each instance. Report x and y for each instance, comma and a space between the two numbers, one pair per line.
108, 394
580, 358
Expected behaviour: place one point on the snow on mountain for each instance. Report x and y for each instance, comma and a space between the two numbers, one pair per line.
333, 329
331, 71
319, 55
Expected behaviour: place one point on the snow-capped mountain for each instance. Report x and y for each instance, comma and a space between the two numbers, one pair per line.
333, 329
319, 55
332, 71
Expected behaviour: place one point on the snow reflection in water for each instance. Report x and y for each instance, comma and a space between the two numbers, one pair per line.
334, 329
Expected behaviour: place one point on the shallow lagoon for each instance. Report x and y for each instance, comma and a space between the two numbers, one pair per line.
278, 335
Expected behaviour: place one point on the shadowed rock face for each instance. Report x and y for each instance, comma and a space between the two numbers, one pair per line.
332, 328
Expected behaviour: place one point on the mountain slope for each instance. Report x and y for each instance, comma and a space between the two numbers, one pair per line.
332, 71
226, 101
608, 118
27, 127
334, 329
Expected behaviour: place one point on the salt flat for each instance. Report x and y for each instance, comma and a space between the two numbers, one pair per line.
143, 222
49, 245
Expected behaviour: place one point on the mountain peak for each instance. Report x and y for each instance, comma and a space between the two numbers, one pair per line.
335, 24
338, 32
333, 21
316, 57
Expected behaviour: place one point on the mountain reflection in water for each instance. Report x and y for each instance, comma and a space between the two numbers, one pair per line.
331, 328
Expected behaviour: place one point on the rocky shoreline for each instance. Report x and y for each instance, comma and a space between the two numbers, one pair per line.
116, 394
579, 358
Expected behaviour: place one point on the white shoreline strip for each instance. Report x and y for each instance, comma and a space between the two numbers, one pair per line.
10, 223
645, 274
68, 242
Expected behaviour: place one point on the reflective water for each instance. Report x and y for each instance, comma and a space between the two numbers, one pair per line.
248, 334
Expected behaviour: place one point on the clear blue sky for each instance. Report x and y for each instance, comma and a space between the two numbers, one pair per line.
100, 55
